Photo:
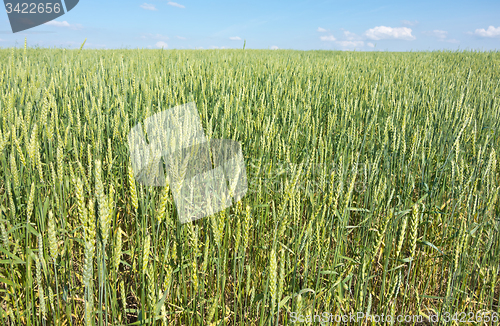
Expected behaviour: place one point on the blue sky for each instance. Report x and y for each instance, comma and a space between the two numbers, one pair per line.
301, 25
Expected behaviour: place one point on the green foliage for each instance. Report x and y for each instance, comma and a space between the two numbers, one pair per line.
373, 187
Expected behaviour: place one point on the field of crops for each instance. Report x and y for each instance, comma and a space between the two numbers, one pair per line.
373, 185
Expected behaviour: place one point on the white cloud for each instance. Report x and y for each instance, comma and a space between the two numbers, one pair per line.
370, 44
321, 29
235, 38
490, 32
155, 37
350, 36
181, 38
148, 6
175, 4
327, 38
351, 44
438, 33
58, 24
274, 47
384, 32
161, 44
351, 40
63, 24
409, 23
442, 36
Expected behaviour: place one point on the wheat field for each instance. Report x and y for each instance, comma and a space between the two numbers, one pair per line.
373, 185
